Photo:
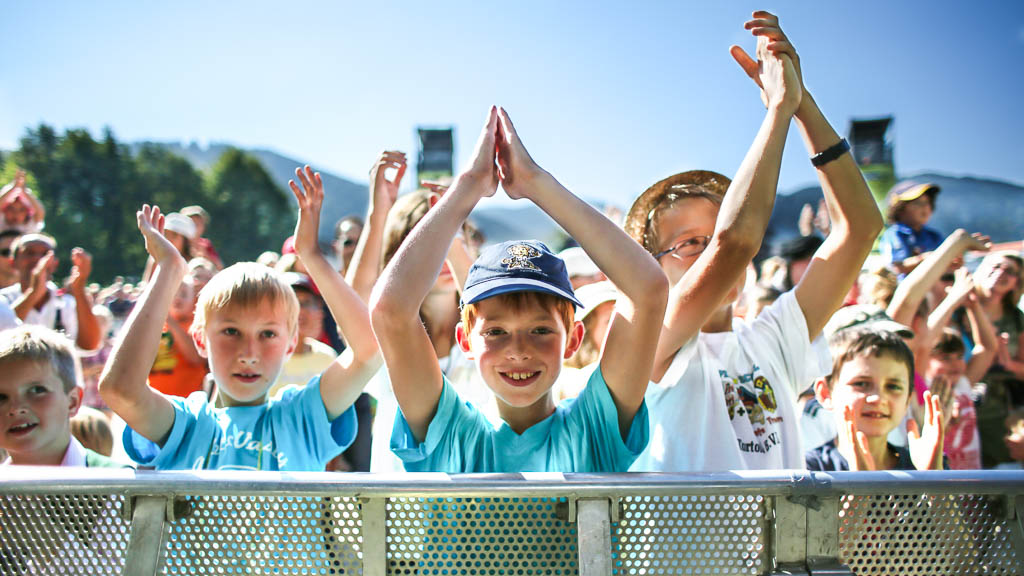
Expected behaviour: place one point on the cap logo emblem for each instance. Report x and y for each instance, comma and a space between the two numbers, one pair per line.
519, 256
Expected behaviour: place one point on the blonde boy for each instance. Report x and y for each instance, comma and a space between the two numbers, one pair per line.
869, 393
39, 394
518, 326
245, 326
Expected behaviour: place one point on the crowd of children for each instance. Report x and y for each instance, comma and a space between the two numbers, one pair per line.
652, 344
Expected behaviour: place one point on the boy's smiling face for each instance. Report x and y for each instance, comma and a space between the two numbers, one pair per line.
877, 387
246, 348
35, 412
519, 352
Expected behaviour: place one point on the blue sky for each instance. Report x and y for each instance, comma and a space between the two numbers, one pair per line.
608, 96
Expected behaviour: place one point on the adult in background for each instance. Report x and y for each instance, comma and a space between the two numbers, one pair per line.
8, 275
201, 246
37, 300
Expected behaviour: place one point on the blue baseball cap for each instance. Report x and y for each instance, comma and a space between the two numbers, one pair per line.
517, 266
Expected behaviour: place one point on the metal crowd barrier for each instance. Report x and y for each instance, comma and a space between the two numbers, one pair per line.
76, 521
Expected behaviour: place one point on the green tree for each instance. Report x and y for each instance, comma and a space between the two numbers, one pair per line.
249, 212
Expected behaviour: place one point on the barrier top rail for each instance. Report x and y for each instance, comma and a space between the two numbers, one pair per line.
31, 480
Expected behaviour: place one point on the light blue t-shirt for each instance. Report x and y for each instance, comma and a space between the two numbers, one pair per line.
582, 435
291, 433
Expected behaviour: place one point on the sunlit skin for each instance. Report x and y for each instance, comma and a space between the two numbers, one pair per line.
686, 218
519, 354
917, 212
877, 389
246, 349
34, 413
996, 278
28, 256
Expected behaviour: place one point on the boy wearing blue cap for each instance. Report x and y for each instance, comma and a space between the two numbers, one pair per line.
518, 326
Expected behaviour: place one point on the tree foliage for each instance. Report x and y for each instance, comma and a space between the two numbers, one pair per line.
91, 189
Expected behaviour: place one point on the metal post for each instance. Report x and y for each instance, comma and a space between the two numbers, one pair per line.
375, 561
146, 544
823, 539
594, 537
788, 535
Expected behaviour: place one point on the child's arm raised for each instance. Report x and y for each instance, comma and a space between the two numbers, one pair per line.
345, 378
412, 364
744, 214
123, 383
365, 266
856, 221
633, 331
986, 341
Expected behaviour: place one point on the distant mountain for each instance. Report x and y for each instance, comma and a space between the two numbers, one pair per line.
990, 206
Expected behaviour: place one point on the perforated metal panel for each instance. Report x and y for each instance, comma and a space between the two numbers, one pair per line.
927, 535
265, 535
65, 535
449, 536
690, 535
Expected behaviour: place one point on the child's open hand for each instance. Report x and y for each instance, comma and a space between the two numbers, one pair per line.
41, 273
81, 267
942, 388
384, 192
483, 172
926, 448
151, 224
856, 440
515, 166
963, 285
310, 199
777, 69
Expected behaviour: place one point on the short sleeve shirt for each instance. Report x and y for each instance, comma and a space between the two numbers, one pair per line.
582, 435
58, 313
288, 434
900, 242
728, 400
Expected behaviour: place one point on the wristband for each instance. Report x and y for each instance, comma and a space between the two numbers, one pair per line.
830, 153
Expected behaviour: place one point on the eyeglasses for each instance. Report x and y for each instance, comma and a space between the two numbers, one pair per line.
687, 247
1008, 268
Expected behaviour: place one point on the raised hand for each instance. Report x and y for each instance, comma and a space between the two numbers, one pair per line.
81, 267
926, 447
482, 171
384, 192
857, 442
777, 68
41, 273
515, 166
942, 388
19, 180
963, 285
310, 199
151, 224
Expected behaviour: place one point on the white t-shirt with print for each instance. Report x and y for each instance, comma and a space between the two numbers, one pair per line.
728, 400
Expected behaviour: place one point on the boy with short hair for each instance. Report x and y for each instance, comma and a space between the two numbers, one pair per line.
730, 384
869, 393
245, 325
518, 326
39, 394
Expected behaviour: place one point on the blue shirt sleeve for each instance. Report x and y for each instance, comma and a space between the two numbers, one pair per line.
303, 431
453, 437
187, 444
594, 414
894, 246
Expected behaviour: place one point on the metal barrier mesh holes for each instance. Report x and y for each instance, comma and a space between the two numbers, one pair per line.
256, 535
508, 536
65, 535
690, 535
927, 534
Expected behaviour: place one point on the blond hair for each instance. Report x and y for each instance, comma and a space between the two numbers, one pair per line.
246, 285
39, 344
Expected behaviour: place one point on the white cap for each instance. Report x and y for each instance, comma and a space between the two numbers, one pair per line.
577, 263
181, 224
593, 295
